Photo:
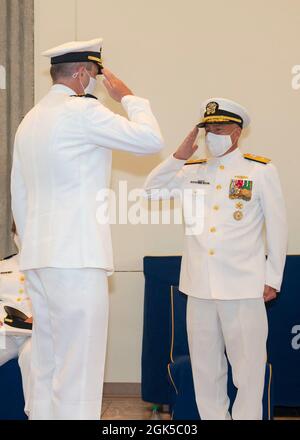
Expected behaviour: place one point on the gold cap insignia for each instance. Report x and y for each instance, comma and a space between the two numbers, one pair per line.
211, 108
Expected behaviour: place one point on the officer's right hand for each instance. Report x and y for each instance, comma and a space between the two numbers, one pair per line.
188, 146
115, 87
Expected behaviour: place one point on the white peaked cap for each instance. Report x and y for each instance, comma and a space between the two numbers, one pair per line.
222, 110
76, 51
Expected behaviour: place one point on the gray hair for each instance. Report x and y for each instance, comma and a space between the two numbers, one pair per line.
65, 70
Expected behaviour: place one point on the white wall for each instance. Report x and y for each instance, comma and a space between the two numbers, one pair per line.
177, 54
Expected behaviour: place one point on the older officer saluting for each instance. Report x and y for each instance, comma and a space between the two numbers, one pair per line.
62, 159
224, 271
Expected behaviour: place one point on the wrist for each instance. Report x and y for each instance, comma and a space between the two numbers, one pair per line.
179, 156
126, 96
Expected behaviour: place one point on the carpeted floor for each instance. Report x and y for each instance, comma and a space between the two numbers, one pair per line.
133, 408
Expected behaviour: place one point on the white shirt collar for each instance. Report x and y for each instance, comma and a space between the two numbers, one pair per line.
61, 88
228, 158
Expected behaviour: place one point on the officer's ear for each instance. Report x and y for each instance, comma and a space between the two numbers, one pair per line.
13, 228
80, 72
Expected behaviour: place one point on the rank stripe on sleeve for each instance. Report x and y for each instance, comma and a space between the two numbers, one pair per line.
195, 162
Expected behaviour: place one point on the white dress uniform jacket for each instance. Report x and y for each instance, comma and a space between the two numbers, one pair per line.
62, 159
227, 260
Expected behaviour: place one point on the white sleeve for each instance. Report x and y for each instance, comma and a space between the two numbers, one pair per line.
273, 206
165, 178
18, 194
140, 134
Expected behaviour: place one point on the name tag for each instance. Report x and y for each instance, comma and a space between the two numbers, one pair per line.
200, 182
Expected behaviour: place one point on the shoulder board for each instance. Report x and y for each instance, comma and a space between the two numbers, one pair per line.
195, 161
259, 159
88, 95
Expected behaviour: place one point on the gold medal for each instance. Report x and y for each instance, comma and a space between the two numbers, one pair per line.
238, 215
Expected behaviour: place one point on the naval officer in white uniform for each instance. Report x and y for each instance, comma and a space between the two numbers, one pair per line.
62, 162
224, 271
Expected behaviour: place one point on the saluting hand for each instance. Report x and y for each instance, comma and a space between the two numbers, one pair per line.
269, 293
188, 146
115, 87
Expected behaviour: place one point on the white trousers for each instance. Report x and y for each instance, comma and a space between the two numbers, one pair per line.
240, 327
19, 347
70, 315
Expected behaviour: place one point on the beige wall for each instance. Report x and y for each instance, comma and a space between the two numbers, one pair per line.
177, 54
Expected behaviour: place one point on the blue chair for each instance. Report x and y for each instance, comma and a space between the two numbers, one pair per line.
183, 402
12, 399
283, 341
160, 273
284, 336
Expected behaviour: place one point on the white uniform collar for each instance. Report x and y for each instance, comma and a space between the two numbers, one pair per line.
61, 88
228, 158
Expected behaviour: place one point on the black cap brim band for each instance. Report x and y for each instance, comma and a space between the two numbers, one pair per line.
219, 116
220, 122
77, 57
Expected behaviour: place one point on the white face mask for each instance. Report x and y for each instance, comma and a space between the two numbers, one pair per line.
218, 144
90, 88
